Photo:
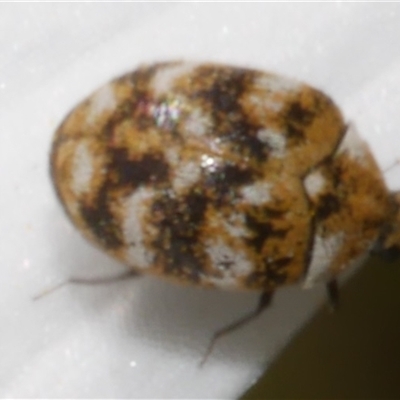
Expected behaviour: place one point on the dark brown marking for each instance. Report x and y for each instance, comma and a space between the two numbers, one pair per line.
295, 134
243, 135
274, 214
101, 222
276, 270
262, 232
121, 172
336, 173
227, 86
297, 119
327, 205
224, 92
151, 168
229, 120
227, 178
272, 275
179, 226
299, 115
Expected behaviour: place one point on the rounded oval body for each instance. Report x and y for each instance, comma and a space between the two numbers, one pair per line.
220, 176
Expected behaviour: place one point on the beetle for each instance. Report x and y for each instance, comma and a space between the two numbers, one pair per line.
223, 177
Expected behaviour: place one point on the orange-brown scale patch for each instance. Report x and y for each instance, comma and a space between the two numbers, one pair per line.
364, 207
281, 230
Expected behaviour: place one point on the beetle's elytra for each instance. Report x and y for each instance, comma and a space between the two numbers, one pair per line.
223, 177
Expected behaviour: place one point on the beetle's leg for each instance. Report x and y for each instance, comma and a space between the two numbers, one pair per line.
104, 280
263, 303
89, 281
333, 294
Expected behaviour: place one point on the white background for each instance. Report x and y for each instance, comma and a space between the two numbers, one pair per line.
145, 338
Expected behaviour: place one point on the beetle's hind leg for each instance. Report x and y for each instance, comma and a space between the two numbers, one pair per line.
264, 301
89, 281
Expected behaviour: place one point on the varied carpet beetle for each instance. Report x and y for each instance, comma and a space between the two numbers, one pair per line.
222, 177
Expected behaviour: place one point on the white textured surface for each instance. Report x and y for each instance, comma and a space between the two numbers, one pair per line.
135, 209
324, 251
145, 338
353, 144
314, 183
103, 100
275, 140
165, 78
83, 169
257, 193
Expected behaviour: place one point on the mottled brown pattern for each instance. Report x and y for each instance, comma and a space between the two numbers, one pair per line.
179, 222
200, 144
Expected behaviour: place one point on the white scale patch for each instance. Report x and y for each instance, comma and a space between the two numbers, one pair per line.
228, 263
165, 77
257, 194
82, 169
352, 143
275, 140
104, 99
272, 85
172, 156
234, 224
314, 183
186, 175
197, 123
263, 103
324, 251
137, 255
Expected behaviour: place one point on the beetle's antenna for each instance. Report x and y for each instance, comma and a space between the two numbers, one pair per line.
88, 281
391, 166
49, 290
